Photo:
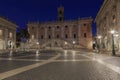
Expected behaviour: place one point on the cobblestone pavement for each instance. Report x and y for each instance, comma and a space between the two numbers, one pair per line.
64, 65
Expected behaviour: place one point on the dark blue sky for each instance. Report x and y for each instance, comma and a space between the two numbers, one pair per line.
23, 11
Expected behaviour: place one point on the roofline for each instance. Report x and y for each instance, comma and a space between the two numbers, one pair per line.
8, 21
102, 7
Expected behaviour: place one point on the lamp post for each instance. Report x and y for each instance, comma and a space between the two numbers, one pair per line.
66, 45
73, 43
113, 46
37, 46
99, 37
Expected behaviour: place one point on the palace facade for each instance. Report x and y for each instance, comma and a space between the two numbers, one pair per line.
7, 34
62, 33
108, 19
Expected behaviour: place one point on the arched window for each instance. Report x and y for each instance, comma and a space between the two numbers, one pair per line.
75, 36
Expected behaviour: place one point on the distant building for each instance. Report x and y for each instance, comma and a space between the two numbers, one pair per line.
7, 34
107, 19
62, 33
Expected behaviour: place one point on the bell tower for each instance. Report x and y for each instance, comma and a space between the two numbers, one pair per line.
61, 13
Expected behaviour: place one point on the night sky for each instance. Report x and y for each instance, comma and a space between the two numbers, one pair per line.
24, 11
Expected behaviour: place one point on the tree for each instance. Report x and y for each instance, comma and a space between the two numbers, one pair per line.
22, 36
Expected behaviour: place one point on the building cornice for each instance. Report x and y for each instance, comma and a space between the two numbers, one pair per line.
101, 9
86, 19
7, 22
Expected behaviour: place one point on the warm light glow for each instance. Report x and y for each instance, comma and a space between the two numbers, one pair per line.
32, 36
112, 31
73, 42
66, 43
10, 35
99, 37
37, 43
116, 35
37, 53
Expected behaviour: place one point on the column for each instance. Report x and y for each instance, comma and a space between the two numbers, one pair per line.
46, 32
62, 32
118, 13
14, 39
118, 18
6, 38
37, 33
70, 32
79, 34
53, 32
108, 29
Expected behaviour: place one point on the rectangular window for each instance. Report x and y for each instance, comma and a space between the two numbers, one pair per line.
75, 36
42, 37
66, 36
49, 37
85, 35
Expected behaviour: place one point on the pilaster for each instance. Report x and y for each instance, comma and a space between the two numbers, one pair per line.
70, 32
46, 32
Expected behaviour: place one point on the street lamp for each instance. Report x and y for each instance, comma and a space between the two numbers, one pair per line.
38, 47
66, 44
113, 46
73, 43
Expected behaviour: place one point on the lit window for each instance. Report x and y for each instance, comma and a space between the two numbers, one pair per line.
1, 32
10, 35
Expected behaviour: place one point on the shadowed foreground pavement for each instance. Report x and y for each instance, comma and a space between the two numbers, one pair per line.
68, 65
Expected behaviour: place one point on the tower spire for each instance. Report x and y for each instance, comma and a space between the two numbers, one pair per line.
60, 12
